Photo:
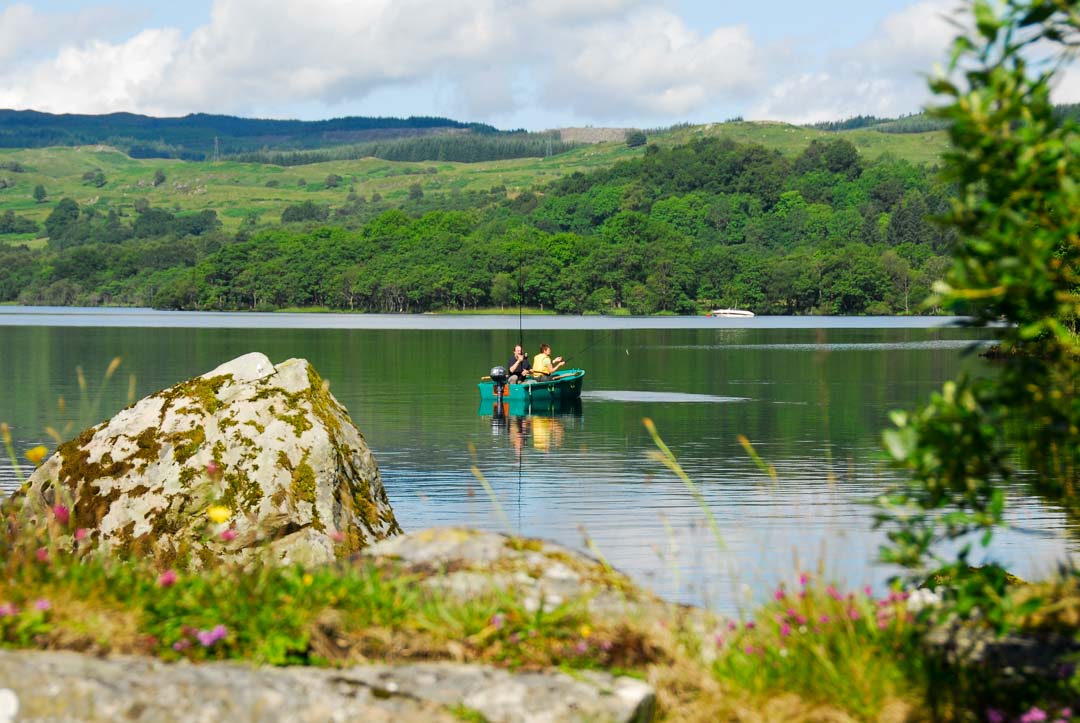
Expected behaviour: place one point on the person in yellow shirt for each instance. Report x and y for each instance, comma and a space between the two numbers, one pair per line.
543, 365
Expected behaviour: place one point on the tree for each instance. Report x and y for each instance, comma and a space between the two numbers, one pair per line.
60, 222
95, 178
635, 139
306, 211
502, 289
333, 180
159, 177
1014, 162
416, 192
39, 193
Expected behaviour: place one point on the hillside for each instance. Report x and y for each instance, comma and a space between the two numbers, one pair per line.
238, 191
200, 136
800, 228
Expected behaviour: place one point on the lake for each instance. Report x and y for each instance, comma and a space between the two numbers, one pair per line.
810, 393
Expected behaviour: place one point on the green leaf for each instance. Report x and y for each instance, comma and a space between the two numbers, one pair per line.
986, 22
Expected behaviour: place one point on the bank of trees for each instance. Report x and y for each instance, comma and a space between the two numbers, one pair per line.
712, 223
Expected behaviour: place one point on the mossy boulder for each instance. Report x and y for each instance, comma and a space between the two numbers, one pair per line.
267, 443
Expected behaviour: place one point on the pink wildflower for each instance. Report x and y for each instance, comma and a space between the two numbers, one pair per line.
497, 621
993, 715
582, 647
785, 630
337, 536
779, 594
228, 535
833, 593
868, 591
803, 579
750, 625
167, 578
42, 554
1066, 713
81, 533
749, 649
719, 640
62, 514
1035, 715
882, 624
791, 612
853, 613
824, 618
8, 609
181, 645
42, 604
208, 637
213, 468
515, 638
732, 626
800, 619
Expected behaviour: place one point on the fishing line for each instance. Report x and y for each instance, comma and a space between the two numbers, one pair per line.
584, 349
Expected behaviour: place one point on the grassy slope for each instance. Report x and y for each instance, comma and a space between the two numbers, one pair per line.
236, 189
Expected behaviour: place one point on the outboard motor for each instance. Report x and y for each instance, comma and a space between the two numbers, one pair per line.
499, 377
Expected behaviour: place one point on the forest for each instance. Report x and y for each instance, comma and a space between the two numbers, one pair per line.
198, 136
678, 230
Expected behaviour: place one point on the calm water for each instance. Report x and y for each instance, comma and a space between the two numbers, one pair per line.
811, 394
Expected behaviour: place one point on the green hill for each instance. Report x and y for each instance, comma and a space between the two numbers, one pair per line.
236, 191
199, 136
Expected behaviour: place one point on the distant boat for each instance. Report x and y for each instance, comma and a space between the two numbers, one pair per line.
739, 313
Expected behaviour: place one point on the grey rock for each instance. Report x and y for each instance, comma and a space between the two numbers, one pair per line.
268, 442
62, 686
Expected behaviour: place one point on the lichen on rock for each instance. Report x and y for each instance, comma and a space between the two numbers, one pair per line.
268, 442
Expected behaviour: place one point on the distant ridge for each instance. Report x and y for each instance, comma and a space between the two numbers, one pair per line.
913, 122
199, 136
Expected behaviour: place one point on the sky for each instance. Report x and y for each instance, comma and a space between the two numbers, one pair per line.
532, 64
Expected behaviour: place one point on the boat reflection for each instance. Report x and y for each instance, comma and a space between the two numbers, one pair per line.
540, 427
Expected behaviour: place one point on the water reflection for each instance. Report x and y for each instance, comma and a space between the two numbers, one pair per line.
541, 427
812, 401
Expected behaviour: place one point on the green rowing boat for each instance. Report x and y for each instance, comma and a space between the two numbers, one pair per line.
563, 386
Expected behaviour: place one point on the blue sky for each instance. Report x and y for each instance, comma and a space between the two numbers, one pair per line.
529, 63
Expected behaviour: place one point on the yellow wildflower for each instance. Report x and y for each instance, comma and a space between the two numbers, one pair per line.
585, 631
36, 454
218, 513
308, 579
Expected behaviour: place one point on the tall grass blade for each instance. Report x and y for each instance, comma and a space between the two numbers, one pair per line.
5, 432
667, 458
489, 490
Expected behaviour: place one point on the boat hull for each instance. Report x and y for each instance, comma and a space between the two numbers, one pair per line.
565, 386
731, 313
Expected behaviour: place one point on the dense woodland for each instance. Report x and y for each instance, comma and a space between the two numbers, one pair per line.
199, 135
712, 223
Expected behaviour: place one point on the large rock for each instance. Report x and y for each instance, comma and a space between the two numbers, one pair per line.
60, 686
269, 443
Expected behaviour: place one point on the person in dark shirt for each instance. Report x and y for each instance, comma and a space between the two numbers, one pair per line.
518, 367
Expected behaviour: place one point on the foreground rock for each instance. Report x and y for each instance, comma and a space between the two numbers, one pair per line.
68, 686
269, 443
466, 563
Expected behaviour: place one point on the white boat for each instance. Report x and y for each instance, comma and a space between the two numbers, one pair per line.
740, 313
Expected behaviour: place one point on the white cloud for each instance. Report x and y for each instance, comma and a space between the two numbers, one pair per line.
652, 64
97, 77
884, 75
28, 34
605, 58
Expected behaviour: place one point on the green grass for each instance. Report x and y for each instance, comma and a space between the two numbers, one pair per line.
236, 190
